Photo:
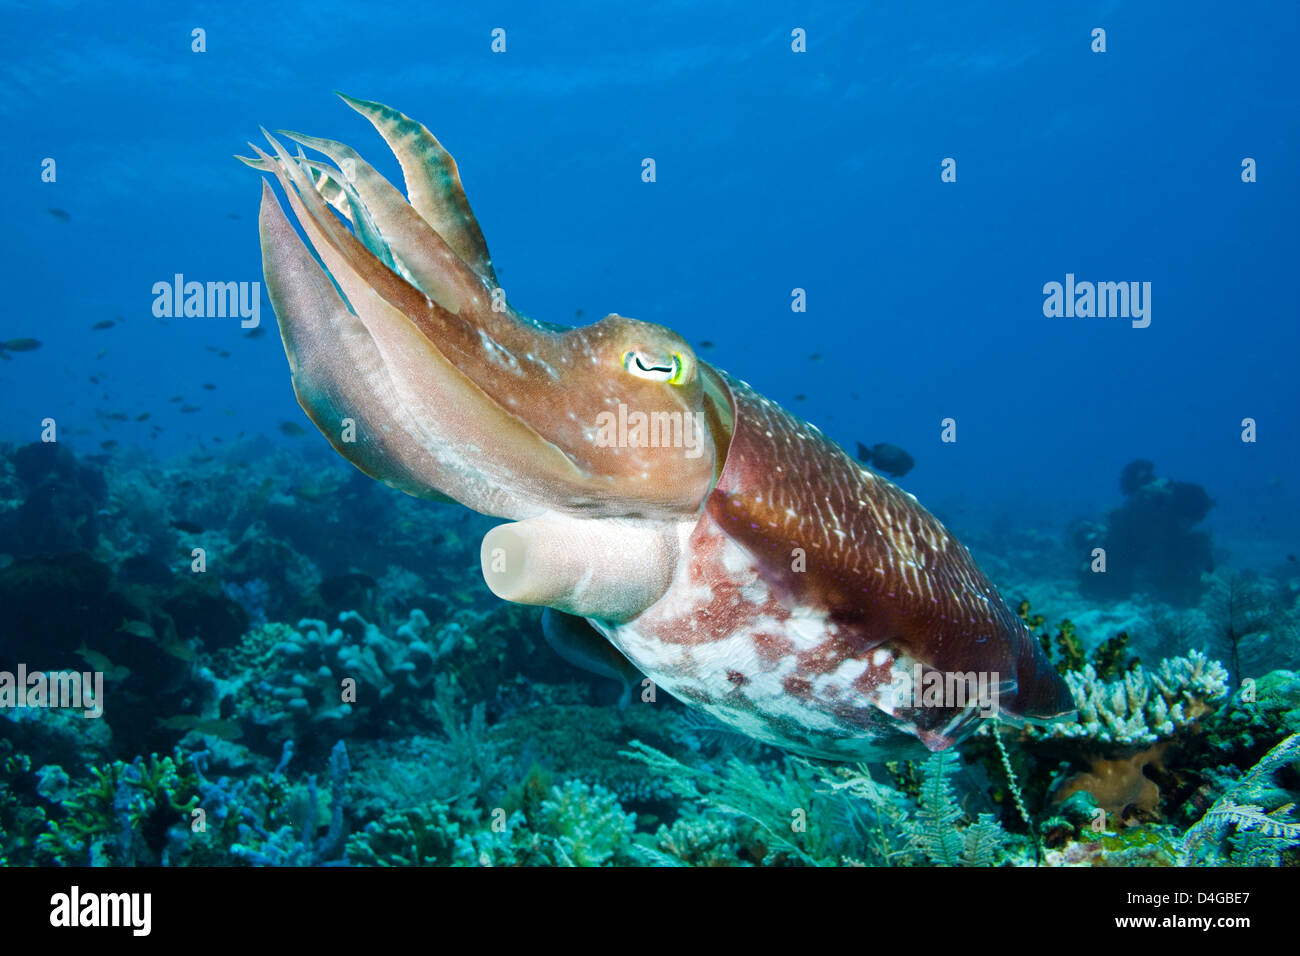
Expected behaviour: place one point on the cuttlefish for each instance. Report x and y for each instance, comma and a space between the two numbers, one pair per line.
671, 518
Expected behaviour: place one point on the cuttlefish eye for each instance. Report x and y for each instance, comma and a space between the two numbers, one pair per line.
674, 369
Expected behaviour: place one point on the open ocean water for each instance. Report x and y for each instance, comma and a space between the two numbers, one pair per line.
1032, 263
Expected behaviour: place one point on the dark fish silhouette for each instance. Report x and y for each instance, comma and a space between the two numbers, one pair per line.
20, 345
60, 214
103, 324
291, 429
188, 527
888, 459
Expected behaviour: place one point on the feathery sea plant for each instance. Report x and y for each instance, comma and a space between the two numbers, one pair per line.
1257, 837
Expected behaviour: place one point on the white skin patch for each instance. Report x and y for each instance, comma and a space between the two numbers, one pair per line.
712, 659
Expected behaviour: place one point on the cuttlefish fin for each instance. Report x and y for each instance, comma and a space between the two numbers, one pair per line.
581, 645
432, 183
338, 375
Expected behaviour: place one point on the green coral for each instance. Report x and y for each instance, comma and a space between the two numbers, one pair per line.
578, 824
786, 813
1066, 643
935, 832
1111, 659
694, 839
586, 823
1256, 716
1258, 836
417, 836
121, 813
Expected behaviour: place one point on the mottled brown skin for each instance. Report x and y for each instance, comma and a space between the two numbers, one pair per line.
946, 615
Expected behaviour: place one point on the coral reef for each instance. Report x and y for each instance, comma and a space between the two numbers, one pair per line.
334, 686
1149, 541
1142, 707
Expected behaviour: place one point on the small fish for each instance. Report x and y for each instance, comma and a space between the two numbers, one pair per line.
888, 459
292, 429
185, 722
138, 629
98, 662
95, 659
189, 409
20, 345
256, 333
578, 313
186, 527
103, 324
801, 397
60, 214
706, 344
142, 417
101, 353
179, 650
223, 354
108, 445
118, 416
209, 386
815, 357
225, 729
94, 380
232, 215
176, 398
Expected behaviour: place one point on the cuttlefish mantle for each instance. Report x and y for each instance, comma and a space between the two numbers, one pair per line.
721, 546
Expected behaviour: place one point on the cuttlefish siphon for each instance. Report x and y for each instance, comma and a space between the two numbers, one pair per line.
672, 519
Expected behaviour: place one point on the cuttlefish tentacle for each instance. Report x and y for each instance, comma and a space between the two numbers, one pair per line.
725, 548
338, 373
406, 236
444, 413
432, 183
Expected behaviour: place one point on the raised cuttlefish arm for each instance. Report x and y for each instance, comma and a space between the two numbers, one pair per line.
726, 548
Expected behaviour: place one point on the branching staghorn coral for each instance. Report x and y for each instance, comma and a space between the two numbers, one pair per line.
1143, 706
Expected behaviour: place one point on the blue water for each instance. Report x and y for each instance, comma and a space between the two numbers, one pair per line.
775, 170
